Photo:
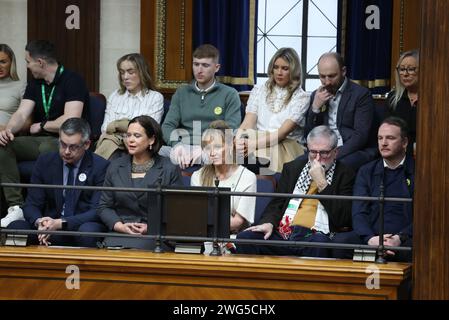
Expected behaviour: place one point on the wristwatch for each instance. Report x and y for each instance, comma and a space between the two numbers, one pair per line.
63, 224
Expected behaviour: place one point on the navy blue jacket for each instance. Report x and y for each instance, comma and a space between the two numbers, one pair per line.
354, 119
49, 202
365, 214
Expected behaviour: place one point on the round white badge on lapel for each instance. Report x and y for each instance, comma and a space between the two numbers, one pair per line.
82, 177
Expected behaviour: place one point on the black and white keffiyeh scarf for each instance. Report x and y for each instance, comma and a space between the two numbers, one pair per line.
301, 187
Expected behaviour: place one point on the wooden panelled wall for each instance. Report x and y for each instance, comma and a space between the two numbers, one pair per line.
166, 41
431, 214
78, 49
406, 29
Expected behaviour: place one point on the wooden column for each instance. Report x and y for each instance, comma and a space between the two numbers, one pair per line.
431, 215
78, 49
166, 42
406, 33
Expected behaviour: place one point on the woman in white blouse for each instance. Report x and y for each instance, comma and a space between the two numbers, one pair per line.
135, 97
217, 142
275, 113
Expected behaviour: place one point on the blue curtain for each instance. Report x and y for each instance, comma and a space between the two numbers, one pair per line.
230, 25
367, 51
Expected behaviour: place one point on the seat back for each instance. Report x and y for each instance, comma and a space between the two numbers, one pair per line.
266, 184
95, 114
166, 107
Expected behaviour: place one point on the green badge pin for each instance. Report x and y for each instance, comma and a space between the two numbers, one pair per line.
218, 111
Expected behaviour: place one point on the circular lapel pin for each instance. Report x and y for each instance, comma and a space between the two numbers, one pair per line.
218, 111
82, 177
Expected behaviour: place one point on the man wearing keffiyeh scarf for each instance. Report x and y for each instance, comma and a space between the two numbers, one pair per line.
303, 219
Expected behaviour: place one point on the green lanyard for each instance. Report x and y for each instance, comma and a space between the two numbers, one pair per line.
44, 98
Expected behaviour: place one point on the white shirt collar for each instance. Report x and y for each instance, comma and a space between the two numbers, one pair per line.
138, 95
343, 86
205, 90
400, 164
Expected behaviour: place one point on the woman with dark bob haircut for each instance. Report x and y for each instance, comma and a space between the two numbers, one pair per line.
142, 167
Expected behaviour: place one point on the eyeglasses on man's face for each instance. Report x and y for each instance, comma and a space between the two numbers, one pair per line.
71, 147
322, 153
409, 70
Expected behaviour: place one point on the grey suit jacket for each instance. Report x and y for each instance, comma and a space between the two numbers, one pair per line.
133, 206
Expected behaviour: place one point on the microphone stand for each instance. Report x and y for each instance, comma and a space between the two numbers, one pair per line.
158, 248
381, 250
216, 251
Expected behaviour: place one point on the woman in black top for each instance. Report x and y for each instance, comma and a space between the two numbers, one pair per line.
403, 101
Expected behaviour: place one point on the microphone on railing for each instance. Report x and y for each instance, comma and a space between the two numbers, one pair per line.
217, 182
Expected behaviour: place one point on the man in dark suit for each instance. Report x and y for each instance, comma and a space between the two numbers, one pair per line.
300, 219
65, 209
346, 108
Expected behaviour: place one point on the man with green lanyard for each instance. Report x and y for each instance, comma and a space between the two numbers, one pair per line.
54, 95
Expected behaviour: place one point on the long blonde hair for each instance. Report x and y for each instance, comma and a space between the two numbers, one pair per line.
399, 89
218, 129
292, 58
13, 70
142, 68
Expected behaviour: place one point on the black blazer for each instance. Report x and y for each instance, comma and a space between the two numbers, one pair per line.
339, 211
354, 119
133, 206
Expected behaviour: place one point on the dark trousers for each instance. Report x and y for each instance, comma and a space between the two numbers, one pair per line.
298, 234
352, 238
60, 240
349, 237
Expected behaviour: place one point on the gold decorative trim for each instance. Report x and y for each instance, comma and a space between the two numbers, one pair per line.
160, 48
344, 12
252, 27
401, 28
182, 34
373, 83
235, 80
161, 18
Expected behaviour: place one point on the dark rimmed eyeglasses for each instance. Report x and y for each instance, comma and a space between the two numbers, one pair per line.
410, 70
71, 147
322, 153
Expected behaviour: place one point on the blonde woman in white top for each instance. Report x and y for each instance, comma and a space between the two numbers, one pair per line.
218, 144
11, 88
275, 113
135, 97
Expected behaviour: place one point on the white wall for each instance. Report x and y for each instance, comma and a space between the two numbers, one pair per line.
119, 35
13, 32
